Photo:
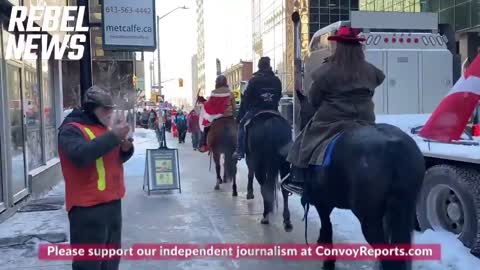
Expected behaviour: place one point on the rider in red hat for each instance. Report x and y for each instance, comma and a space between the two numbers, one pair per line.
341, 94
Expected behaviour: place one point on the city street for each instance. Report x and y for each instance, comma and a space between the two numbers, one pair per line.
201, 215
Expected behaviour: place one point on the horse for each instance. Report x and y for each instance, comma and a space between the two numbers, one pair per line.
376, 172
266, 135
221, 139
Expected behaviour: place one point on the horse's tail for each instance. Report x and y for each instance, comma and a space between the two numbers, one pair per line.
406, 161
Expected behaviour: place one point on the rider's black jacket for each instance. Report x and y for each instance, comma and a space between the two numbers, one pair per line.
263, 92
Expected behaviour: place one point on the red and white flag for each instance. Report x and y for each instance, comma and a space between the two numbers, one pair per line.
213, 109
450, 118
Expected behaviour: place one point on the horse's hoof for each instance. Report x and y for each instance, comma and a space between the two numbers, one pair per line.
288, 226
265, 221
234, 194
217, 187
329, 265
250, 196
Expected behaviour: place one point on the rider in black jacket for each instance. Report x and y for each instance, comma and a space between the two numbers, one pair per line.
263, 93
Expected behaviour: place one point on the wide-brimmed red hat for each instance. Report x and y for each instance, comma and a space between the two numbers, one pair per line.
346, 34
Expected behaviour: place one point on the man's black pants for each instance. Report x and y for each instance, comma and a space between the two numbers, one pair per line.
100, 224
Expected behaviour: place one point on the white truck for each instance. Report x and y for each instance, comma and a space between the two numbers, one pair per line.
419, 69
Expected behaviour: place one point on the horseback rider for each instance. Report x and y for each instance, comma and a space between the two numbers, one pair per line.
263, 93
221, 104
341, 94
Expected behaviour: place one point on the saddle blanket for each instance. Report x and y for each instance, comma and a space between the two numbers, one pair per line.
327, 159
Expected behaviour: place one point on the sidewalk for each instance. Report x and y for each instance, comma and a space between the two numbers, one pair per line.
201, 215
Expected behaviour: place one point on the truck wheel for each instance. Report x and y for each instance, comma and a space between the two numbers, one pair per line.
450, 201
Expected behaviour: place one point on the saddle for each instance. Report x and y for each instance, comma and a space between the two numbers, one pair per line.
263, 112
297, 187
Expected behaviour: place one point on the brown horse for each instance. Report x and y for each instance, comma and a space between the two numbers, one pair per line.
222, 139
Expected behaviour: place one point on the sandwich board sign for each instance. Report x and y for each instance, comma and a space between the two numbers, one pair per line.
162, 170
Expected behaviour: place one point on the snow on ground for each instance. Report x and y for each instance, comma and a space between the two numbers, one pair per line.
455, 256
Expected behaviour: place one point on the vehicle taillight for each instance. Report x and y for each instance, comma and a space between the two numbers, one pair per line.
394, 40
409, 40
415, 40
401, 40
385, 40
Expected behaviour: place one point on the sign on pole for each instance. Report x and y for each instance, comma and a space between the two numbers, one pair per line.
162, 170
129, 25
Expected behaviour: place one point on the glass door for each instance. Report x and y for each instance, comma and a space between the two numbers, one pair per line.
18, 182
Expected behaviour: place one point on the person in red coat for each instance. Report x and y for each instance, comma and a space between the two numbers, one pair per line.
174, 126
194, 128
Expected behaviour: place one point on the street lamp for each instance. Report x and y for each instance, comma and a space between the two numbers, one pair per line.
162, 139
158, 45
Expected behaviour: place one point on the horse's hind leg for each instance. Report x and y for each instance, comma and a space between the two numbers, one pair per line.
231, 168
225, 168
287, 224
373, 230
216, 159
267, 190
326, 233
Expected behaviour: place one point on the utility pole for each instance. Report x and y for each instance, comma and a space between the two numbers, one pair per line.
159, 62
86, 80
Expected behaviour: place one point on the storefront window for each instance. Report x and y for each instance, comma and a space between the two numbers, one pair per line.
33, 118
49, 110
71, 85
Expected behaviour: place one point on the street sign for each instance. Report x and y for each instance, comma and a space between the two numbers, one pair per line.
162, 170
129, 25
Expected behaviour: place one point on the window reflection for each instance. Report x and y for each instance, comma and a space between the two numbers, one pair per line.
49, 110
32, 114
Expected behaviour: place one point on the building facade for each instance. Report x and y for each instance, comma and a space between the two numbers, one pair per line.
316, 14
111, 70
195, 88
30, 114
238, 73
392, 5
201, 47
463, 16
269, 36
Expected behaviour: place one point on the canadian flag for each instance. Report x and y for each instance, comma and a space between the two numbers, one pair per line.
213, 109
450, 118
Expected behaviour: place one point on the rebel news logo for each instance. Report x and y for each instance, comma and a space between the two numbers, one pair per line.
66, 31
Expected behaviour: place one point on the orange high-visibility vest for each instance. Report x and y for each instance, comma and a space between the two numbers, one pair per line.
100, 182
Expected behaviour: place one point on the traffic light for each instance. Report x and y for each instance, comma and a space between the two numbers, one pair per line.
180, 82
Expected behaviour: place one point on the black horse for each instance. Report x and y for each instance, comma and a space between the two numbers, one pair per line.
267, 134
376, 172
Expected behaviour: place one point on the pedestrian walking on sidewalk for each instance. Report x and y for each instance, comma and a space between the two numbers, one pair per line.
92, 148
194, 128
181, 124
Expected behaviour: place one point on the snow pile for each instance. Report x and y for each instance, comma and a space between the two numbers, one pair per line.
455, 256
